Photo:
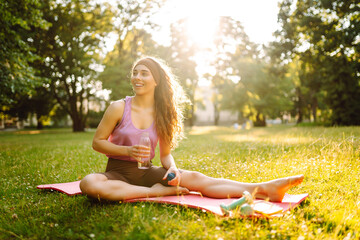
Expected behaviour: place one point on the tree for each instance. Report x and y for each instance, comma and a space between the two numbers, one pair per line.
324, 36
264, 93
244, 82
241, 83
230, 35
70, 50
17, 77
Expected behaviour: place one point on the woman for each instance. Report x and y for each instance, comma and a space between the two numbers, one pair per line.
156, 108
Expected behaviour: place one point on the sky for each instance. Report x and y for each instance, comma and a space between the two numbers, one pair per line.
259, 17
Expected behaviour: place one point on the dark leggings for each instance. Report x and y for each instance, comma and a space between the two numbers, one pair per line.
129, 172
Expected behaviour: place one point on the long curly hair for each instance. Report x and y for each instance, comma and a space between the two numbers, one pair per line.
170, 101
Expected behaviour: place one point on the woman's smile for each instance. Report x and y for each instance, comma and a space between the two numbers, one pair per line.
139, 84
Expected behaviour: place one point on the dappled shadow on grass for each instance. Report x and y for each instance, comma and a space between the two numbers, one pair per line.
219, 130
35, 131
205, 130
275, 140
283, 136
232, 145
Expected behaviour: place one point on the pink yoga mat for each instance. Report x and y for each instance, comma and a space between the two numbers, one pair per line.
69, 188
193, 200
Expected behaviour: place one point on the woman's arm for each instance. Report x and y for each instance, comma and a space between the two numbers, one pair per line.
113, 116
168, 162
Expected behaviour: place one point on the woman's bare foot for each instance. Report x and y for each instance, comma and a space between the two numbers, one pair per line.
159, 190
276, 189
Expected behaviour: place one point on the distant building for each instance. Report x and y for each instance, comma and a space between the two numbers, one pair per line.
204, 109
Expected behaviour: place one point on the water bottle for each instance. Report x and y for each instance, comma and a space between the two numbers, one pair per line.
145, 141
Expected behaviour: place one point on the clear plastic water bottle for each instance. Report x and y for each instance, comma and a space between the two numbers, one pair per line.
145, 141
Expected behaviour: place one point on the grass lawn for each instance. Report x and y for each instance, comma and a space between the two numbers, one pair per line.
328, 157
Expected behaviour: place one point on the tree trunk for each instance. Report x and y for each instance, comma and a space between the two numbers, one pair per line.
299, 105
240, 117
216, 114
39, 123
314, 106
260, 120
78, 125
78, 122
191, 119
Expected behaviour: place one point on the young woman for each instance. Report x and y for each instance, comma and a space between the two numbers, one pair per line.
156, 108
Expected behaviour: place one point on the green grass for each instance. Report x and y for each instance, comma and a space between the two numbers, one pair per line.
328, 157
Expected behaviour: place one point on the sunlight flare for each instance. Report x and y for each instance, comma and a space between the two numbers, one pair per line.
201, 30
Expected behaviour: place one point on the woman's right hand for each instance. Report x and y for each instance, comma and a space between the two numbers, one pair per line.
138, 152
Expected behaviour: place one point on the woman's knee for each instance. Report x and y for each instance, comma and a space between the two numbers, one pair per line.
193, 176
89, 185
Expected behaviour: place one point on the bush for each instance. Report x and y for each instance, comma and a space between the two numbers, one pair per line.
93, 119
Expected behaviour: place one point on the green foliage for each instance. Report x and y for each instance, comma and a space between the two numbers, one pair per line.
22, 90
116, 77
133, 42
328, 157
17, 17
94, 119
118, 63
244, 82
231, 44
70, 49
40, 102
57, 45
268, 94
323, 37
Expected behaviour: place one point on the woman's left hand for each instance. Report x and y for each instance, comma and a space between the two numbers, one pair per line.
176, 180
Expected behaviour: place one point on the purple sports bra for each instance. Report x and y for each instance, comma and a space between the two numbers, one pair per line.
126, 134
